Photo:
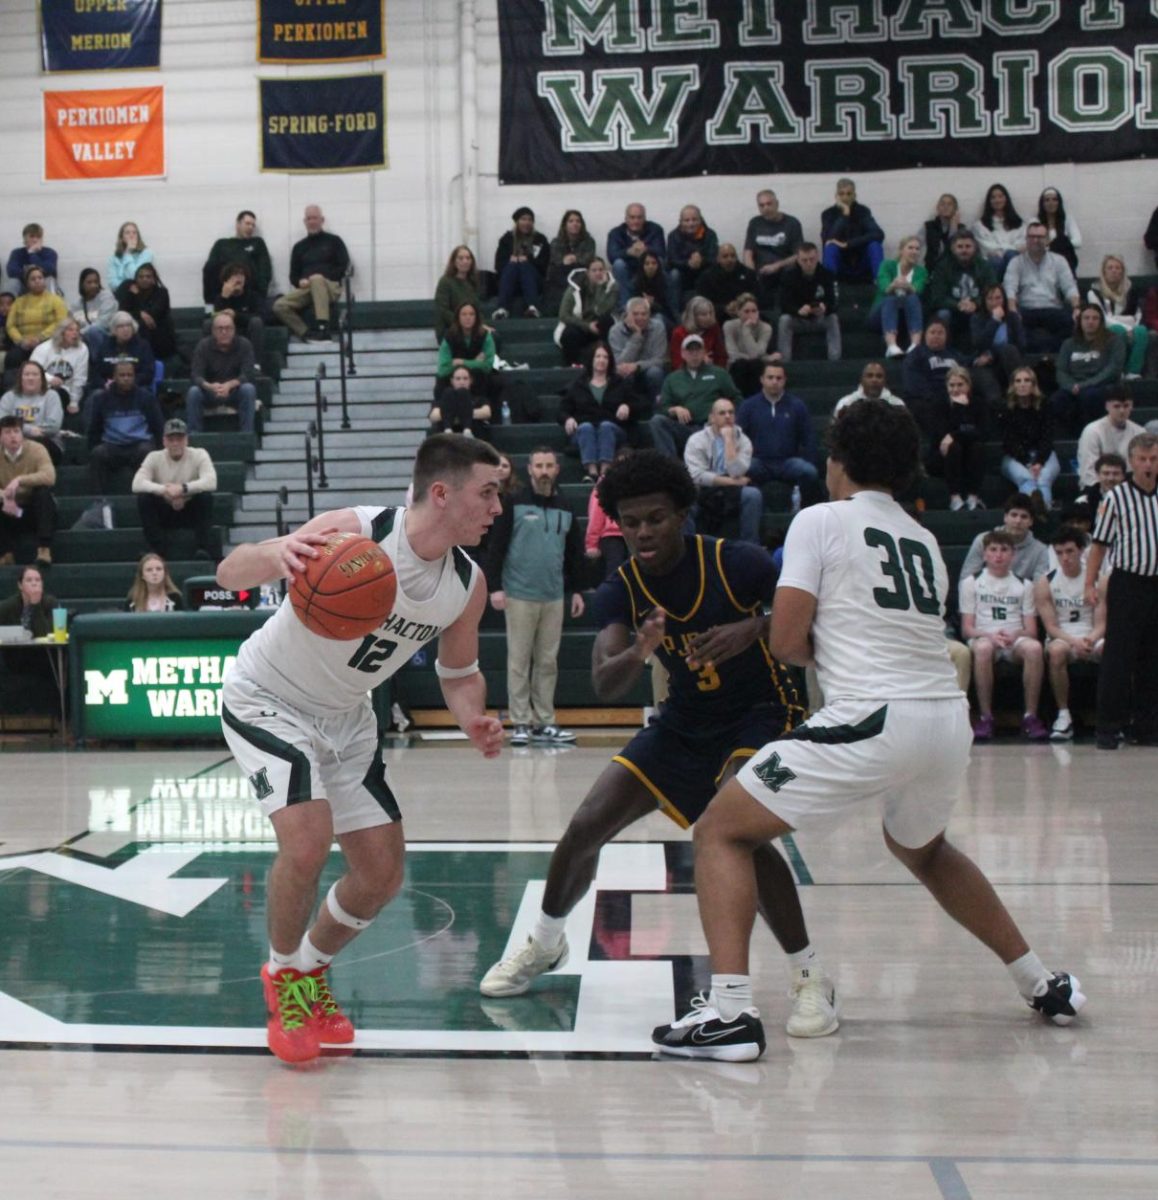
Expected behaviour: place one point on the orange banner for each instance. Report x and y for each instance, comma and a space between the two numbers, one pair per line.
115, 133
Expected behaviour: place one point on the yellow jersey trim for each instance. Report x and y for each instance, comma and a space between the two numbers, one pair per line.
751, 610
699, 597
665, 805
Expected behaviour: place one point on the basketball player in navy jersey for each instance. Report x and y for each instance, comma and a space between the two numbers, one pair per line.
699, 605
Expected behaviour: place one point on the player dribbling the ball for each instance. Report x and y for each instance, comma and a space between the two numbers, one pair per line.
296, 715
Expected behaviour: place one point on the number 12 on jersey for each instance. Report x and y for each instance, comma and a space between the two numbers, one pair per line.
910, 570
372, 653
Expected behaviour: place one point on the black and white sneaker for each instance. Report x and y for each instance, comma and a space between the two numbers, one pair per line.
1059, 999
704, 1034
551, 735
520, 735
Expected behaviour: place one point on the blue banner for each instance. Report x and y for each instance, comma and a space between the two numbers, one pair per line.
323, 125
100, 35
339, 31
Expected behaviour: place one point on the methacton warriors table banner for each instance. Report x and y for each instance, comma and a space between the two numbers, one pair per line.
617, 89
320, 31
323, 125
100, 35
115, 133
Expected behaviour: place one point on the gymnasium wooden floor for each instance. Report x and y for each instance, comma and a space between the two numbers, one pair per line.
131, 1040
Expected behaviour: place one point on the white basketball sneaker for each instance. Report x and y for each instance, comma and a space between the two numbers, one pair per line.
512, 976
815, 1011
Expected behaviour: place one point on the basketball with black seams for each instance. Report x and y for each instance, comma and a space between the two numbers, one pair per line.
346, 592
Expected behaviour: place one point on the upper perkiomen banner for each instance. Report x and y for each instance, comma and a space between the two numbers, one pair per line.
320, 31
100, 35
596, 90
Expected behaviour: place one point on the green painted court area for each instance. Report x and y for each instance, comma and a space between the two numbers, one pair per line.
82, 956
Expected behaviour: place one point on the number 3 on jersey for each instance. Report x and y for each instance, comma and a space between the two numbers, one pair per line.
909, 589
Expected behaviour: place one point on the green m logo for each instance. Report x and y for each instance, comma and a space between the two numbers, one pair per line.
261, 784
772, 773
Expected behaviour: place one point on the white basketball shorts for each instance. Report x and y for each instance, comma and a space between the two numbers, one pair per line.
906, 756
291, 756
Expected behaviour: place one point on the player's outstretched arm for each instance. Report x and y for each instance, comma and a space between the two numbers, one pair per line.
464, 688
255, 563
721, 642
617, 660
791, 632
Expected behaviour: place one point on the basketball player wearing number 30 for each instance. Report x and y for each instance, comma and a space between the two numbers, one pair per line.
862, 596
297, 717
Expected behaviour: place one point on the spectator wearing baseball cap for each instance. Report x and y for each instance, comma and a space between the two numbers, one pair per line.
174, 487
687, 397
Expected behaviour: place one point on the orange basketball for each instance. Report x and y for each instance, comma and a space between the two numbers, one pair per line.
346, 592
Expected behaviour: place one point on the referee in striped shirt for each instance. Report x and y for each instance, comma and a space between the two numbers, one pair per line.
1127, 529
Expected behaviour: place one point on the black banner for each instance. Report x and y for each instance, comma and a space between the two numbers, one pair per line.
289, 31
333, 124
598, 90
100, 35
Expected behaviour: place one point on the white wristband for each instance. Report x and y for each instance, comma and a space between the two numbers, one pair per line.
455, 672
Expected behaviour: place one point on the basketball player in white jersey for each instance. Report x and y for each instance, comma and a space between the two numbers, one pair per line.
999, 624
296, 714
1075, 629
894, 731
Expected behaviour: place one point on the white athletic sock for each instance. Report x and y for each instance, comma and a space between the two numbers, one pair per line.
310, 957
730, 995
803, 965
279, 962
548, 931
1028, 971
1064, 712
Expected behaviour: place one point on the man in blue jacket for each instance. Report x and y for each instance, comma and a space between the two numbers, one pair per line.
534, 556
125, 423
627, 244
783, 439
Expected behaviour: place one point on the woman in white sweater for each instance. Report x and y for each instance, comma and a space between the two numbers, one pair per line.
1000, 232
64, 358
94, 309
748, 340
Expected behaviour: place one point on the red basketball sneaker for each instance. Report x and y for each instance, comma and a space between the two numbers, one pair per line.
290, 1031
332, 1025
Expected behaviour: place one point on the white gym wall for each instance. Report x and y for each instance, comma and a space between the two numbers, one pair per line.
400, 223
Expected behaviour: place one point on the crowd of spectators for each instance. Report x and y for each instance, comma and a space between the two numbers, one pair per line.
683, 340
686, 342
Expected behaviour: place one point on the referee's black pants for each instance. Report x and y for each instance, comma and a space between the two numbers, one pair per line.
1128, 680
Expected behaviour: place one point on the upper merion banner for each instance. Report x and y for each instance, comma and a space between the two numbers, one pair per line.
597, 90
100, 35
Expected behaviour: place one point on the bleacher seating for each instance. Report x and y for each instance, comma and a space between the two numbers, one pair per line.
93, 569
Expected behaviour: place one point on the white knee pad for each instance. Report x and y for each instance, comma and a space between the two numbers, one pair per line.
339, 913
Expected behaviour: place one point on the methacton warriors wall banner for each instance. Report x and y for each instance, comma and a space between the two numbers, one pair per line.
319, 31
100, 35
115, 133
323, 125
617, 89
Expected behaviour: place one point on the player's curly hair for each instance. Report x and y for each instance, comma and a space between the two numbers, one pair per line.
877, 443
644, 474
